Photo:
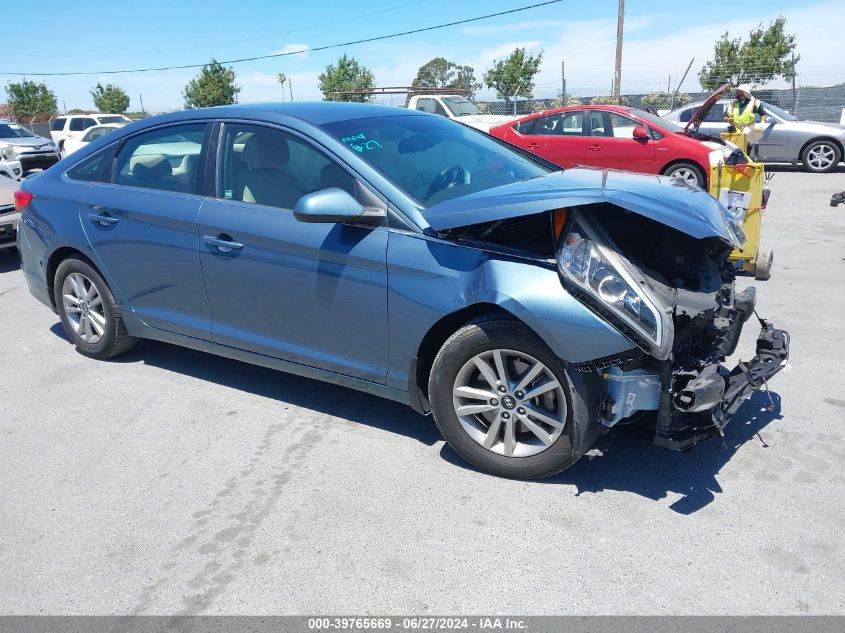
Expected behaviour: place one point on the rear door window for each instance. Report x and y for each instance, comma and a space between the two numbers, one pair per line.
77, 124
560, 124
58, 125
166, 159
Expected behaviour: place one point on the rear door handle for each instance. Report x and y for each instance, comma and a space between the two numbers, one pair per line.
594, 148
224, 243
533, 146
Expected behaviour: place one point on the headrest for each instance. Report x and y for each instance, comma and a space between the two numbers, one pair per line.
265, 152
152, 167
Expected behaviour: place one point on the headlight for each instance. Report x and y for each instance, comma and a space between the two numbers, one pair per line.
587, 260
7, 153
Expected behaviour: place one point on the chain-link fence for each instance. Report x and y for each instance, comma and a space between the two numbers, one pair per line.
807, 103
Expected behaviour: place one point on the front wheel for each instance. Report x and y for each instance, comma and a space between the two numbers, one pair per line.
501, 399
687, 172
821, 156
90, 315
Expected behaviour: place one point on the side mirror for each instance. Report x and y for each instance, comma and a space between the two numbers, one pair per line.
640, 133
327, 205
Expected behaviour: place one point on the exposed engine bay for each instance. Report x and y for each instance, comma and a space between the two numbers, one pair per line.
671, 294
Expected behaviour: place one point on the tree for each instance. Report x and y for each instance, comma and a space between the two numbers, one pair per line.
442, 73
767, 54
514, 76
28, 100
215, 85
339, 82
110, 99
665, 100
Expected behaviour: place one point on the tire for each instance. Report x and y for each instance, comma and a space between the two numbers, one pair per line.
763, 265
821, 156
91, 319
687, 171
523, 454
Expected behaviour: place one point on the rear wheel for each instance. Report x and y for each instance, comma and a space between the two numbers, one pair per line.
90, 315
500, 397
687, 172
821, 156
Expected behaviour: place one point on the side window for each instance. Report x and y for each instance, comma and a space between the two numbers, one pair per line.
166, 159
526, 127
598, 126
686, 115
96, 168
58, 125
547, 126
716, 114
620, 126
571, 124
439, 109
427, 105
266, 166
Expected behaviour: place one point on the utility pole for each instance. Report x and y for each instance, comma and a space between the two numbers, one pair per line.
617, 77
562, 84
141, 99
794, 94
290, 88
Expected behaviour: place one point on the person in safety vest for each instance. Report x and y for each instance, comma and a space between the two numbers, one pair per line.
743, 111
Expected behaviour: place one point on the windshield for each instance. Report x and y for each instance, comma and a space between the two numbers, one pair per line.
113, 119
781, 114
460, 106
431, 158
10, 130
657, 121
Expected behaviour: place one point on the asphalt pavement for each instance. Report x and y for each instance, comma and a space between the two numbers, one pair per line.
171, 481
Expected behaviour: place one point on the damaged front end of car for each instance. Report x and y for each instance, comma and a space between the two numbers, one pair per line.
650, 258
675, 297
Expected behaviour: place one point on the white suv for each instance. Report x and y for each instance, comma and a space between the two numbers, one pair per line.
74, 125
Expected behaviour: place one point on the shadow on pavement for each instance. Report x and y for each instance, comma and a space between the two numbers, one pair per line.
787, 168
9, 260
628, 464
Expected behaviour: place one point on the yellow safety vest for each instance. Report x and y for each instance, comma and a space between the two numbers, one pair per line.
743, 117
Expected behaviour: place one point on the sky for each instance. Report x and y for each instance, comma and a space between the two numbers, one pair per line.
660, 40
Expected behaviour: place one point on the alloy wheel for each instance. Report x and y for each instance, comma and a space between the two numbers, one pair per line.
83, 306
821, 156
510, 403
685, 173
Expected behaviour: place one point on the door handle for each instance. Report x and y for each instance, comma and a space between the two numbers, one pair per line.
223, 243
594, 148
533, 146
103, 218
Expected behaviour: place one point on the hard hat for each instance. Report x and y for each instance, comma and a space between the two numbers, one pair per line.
746, 88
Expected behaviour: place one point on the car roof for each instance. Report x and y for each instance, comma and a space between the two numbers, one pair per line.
314, 112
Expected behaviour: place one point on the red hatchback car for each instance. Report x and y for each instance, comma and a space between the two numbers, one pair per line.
616, 137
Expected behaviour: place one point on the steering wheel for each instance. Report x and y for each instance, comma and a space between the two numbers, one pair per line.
449, 176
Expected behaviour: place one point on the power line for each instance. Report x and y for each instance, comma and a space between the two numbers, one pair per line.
307, 50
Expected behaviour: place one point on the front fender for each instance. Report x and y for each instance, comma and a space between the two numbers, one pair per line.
430, 279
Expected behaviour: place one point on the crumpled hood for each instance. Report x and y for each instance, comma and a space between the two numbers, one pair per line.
670, 201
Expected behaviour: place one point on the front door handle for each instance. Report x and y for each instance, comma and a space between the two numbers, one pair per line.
594, 148
533, 146
224, 243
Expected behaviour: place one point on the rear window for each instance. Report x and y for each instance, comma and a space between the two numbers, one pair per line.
434, 159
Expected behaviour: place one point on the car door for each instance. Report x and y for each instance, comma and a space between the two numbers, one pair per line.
140, 220
612, 144
310, 293
557, 137
714, 123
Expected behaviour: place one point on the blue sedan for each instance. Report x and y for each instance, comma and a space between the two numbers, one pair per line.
407, 256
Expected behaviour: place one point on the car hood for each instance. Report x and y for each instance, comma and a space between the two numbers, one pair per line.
699, 115
26, 141
670, 201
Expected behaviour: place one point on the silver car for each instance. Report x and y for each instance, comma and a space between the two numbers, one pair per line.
818, 146
19, 144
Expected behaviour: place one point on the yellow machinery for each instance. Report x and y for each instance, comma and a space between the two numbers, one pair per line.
740, 188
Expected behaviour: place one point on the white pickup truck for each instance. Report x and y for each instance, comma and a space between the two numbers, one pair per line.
458, 108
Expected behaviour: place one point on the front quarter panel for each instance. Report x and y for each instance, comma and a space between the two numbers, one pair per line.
429, 279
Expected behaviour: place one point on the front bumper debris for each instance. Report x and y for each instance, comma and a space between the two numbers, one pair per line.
684, 418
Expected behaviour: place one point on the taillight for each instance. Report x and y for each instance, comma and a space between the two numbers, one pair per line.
22, 199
